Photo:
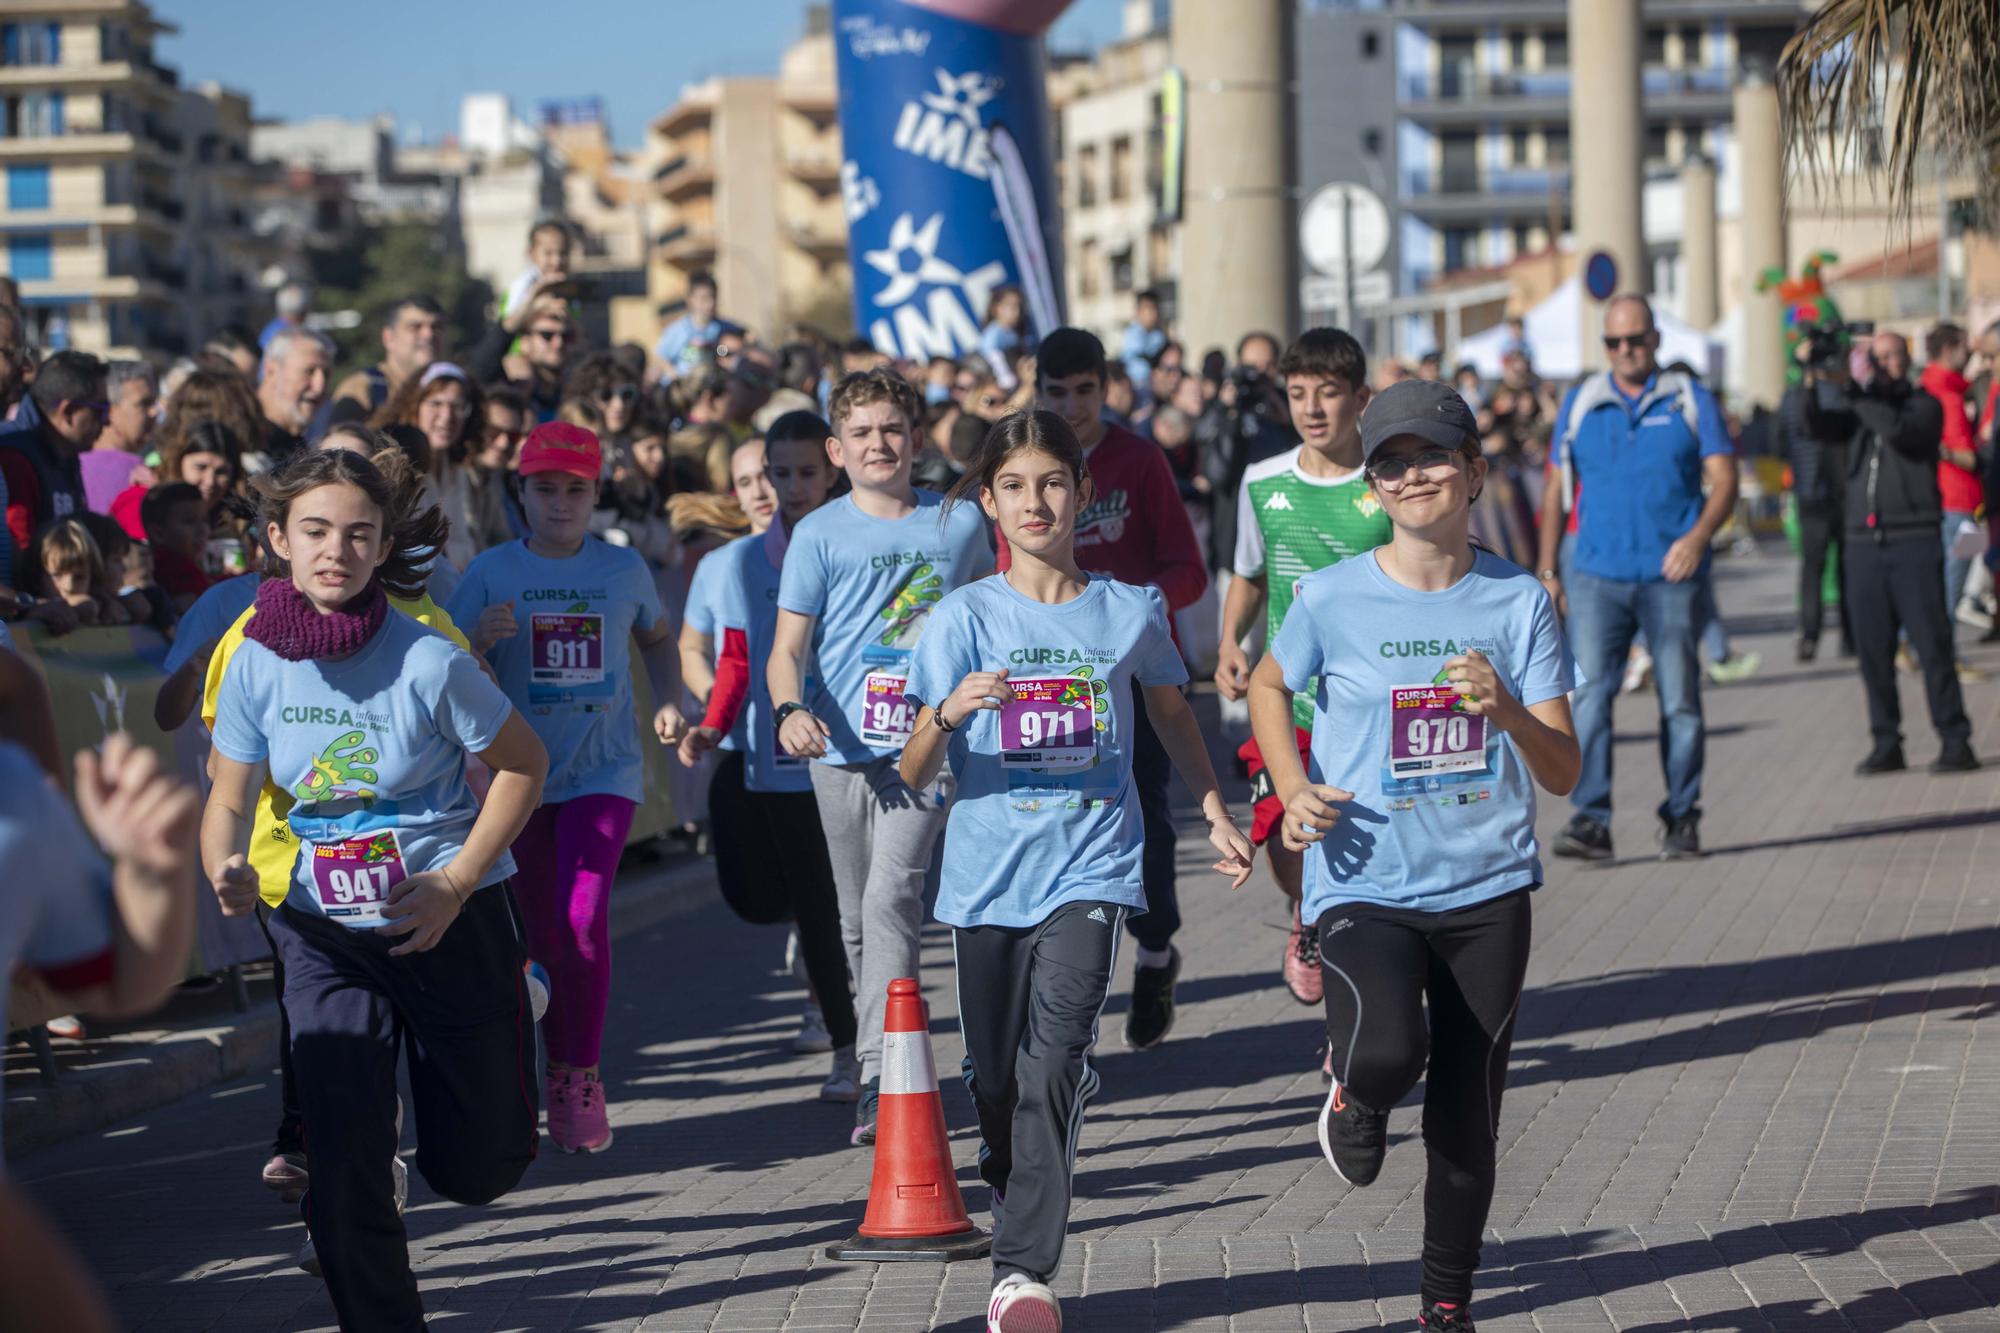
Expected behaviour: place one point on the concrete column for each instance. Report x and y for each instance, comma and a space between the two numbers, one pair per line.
1760, 173
1238, 224
1698, 252
1607, 148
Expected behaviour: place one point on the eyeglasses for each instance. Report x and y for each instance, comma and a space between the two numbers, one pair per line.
624, 393
1393, 474
1614, 341
550, 335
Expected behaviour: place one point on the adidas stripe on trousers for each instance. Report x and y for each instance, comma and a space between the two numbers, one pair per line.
1029, 999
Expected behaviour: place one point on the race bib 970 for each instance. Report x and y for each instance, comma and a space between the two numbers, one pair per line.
1431, 733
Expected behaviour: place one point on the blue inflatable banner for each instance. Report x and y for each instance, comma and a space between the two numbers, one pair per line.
948, 183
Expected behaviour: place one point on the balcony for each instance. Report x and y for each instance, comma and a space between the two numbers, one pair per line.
689, 243
71, 143
1494, 194
685, 176
1460, 96
164, 205
139, 74
816, 167
819, 238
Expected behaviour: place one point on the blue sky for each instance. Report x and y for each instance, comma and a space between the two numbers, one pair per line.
416, 59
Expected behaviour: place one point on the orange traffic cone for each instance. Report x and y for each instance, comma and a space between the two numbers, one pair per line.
914, 1208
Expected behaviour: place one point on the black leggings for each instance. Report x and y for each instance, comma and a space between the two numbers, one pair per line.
1382, 965
771, 863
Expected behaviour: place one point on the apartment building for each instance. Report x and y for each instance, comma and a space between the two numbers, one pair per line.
125, 215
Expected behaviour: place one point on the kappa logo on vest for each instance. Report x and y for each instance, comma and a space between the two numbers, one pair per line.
1278, 500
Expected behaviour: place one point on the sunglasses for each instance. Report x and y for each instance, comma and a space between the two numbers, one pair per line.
1392, 474
623, 394
550, 335
1614, 341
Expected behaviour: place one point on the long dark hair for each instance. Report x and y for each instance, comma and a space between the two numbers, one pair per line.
1018, 432
415, 532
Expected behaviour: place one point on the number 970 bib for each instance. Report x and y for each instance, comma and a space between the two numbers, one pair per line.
1431, 733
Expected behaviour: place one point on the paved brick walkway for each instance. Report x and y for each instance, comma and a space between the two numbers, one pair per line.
1747, 1094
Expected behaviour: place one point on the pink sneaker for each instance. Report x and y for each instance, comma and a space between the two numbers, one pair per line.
578, 1120
1301, 966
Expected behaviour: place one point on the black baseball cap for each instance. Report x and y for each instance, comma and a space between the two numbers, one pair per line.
1427, 409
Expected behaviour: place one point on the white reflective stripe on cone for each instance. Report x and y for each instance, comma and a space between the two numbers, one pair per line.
906, 1063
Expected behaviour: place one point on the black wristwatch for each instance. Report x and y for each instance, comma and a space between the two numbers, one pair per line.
787, 709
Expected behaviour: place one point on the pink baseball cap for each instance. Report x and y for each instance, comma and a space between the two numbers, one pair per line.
557, 446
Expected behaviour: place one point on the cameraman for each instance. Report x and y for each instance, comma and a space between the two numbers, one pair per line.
1819, 487
1894, 563
1247, 422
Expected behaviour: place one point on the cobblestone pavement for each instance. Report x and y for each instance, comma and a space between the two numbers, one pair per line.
1747, 1094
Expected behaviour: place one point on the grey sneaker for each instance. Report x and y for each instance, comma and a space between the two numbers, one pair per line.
843, 1081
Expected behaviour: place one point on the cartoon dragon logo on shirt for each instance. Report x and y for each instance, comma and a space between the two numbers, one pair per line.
338, 771
913, 600
1082, 686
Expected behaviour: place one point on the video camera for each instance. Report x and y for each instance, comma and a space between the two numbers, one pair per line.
1827, 345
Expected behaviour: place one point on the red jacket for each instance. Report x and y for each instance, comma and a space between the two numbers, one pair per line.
1960, 489
1136, 530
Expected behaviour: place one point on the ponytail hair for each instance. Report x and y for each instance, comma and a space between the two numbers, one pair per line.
1016, 433
415, 531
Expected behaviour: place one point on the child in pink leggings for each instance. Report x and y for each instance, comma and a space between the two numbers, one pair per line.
557, 614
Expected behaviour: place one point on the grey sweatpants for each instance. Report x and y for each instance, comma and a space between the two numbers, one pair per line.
1028, 1002
879, 836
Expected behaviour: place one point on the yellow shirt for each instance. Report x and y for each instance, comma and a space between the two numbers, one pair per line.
272, 847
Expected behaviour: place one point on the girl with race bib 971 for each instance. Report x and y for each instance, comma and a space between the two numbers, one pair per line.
557, 613
1439, 678
1027, 685
398, 931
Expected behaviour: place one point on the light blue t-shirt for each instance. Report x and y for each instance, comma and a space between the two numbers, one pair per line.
1020, 842
872, 583
1428, 842
369, 744
568, 667
210, 618
707, 592
750, 604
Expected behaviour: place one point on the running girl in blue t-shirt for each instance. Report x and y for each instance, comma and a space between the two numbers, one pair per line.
398, 925
1026, 681
1439, 677
557, 613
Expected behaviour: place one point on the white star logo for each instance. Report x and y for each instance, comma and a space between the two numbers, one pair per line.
962, 96
922, 265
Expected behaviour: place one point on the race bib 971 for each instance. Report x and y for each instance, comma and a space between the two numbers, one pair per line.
1048, 724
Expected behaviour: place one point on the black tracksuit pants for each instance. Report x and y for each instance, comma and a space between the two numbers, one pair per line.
771, 863
1034, 995
459, 1012
1894, 585
1384, 966
1820, 543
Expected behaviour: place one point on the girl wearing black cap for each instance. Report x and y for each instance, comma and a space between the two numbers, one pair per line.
1439, 677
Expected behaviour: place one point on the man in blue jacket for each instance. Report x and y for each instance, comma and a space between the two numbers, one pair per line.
1635, 446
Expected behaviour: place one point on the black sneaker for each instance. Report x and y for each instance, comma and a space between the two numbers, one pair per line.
1353, 1137
1680, 840
1882, 759
1444, 1317
865, 1109
1584, 839
1152, 1014
1808, 649
1955, 758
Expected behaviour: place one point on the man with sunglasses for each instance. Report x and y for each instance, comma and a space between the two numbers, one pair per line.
1634, 447
548, 342
58, 421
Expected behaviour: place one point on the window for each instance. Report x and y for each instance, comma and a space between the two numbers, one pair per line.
41, 115
1517, 50
1086, 176
1656, 144
1555, 147
1121, 168
1086, 270
1458, 248
1371, 141
1121, 270
31, 44
28, 187
1653, 48
1517, 148
1371, 45
1555, 49
29, 259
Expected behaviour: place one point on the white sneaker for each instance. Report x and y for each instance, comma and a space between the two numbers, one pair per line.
309, 1257
1638, 672
399, 1172
812, 1038
795, 959
1970, 612
1021, 1306
843, 1083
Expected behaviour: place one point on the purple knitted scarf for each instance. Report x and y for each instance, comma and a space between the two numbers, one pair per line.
288, 624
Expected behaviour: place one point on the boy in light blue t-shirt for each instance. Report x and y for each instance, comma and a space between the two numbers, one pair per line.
860, 580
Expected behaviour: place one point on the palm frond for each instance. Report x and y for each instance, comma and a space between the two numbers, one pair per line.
1924, 75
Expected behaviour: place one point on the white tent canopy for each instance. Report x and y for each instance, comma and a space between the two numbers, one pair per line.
1553, 329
